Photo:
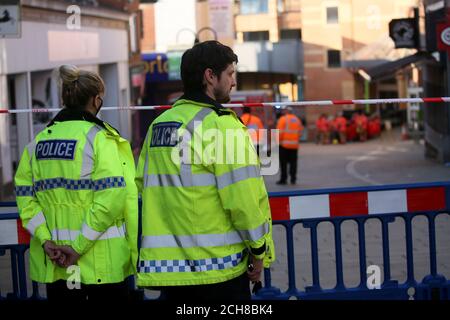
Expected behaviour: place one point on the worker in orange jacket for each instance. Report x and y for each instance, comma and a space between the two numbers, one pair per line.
340, 123
323, 129
290, 129
361, 125
254, 124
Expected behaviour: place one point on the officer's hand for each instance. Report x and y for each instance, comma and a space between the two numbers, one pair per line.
52, 250
69, 256
255, 269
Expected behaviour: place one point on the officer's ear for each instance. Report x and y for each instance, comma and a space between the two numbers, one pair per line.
209, 76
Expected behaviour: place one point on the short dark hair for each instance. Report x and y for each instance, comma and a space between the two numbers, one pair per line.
209, 54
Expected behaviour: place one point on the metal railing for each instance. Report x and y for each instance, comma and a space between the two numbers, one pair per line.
310, 208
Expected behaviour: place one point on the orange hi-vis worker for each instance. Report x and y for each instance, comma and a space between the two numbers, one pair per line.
323, 129
290, 128
340, 124
255, 124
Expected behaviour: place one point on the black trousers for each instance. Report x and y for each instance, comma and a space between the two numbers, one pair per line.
288, 157
59, 292
237, 289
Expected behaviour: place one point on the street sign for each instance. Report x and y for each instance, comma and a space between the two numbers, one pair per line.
443, 36
10, 19
174, 63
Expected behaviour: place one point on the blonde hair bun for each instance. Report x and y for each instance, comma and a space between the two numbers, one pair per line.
69, 73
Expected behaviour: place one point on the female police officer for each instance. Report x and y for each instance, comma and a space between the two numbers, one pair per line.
77, 198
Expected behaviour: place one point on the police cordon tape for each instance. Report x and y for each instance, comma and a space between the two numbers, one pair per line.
258, 104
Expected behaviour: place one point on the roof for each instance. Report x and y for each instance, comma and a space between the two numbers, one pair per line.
389, 68
376, 53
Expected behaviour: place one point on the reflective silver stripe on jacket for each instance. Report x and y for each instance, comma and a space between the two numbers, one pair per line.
31, 147
237, 175
71, 235
290, 131
288, 142
202, 180
88, 152
204, 240
35, 222
173, 180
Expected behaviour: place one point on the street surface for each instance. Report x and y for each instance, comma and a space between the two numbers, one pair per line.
387, 160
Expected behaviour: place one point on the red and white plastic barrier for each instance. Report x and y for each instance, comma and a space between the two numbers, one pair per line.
358, 203
326, 205
262, 104
11, 230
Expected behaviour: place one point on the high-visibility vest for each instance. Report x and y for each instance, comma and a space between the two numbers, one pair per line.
75, 186
322, 124
361, 121
254, 124
200, 215
340, 124
290, 128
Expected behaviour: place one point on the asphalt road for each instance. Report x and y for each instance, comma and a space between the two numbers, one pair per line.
386, 160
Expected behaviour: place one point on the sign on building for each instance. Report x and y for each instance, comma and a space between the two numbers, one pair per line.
174, 61
404, 32
443, 36
221, 18
10, 19
156, 66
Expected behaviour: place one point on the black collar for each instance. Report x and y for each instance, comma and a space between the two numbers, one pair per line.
202, 97
76, 115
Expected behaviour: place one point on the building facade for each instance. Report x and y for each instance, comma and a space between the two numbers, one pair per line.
89, 35
342, 37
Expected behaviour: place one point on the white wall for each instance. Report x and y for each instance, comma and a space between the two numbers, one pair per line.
117, 94
44, 46
172, 16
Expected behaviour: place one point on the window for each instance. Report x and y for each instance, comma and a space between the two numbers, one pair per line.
291, 34
334, 59
254, 6
256, 36
332, 15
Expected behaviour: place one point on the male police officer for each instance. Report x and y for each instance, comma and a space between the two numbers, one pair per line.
204, 220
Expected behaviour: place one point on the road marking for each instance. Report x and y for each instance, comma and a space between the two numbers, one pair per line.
351, 170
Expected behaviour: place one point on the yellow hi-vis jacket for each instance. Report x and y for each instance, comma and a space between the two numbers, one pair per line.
201, 214
75, 186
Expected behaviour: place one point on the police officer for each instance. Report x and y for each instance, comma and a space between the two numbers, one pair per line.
205, 219
77, 198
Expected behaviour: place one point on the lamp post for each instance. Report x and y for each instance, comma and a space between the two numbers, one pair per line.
197, 40
191, 31
196, 34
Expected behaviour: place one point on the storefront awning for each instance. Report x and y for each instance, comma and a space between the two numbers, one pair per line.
389, 68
